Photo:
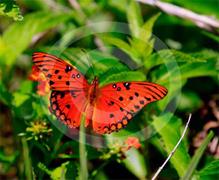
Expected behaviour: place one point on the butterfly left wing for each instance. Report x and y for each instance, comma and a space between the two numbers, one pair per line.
117, 103
60, 74
68, 107
69, 89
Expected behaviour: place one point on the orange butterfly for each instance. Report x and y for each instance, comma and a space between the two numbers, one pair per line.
108, 108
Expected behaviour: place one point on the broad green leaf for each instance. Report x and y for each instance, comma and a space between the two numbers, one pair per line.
197, 157
124, 76
189, 101
134, 18
135, 163
190, 70
210, 169
124, 46
19, 35
166, 56
169, 128
19, 98
10, 8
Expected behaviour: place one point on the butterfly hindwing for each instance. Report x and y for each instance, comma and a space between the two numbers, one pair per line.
68, 107
119, 102
60, 74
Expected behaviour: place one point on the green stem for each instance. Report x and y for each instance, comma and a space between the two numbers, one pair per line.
27, 160
82, 150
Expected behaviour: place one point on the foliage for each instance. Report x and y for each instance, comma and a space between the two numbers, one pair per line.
10, 9
70, 31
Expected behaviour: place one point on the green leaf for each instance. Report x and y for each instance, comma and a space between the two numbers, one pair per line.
19, 35
135, 163
167, 56
147, 42
59, 172
210, 169
5, 96
124, 76
124, 46
197, 157
19, 98
8, 158
212, 36
189, 70
169, 127
134, 18
10, 8
189, 101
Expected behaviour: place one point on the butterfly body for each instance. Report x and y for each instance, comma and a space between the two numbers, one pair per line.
108, 108
93, 90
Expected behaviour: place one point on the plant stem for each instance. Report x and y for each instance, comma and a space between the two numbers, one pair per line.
27, 160
174, 149
82, 150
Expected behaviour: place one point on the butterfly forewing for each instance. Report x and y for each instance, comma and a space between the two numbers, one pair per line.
69, 88
60, 74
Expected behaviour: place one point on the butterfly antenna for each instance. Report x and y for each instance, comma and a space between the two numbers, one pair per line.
89, 61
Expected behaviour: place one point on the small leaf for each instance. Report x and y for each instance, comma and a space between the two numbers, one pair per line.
134, 18
19, 98
197, 157
135, 163
124, 46
10, 9
210, 169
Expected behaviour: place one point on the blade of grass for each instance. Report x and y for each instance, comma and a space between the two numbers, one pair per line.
196, 158
27, 160
82, 150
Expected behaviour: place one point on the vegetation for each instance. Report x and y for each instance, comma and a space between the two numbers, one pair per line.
124, 41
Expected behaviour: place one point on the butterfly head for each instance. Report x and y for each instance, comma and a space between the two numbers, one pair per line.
95, 82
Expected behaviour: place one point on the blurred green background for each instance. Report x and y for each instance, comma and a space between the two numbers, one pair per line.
151, 45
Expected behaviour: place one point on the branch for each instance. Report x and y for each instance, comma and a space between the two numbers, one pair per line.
202, 21
174, 149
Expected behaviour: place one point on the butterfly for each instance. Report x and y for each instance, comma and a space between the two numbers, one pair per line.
107, 109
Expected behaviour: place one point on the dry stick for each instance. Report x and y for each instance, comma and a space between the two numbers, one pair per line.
174, 149
205, 22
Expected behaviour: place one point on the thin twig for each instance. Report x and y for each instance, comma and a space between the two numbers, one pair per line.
202, 21
174, 149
